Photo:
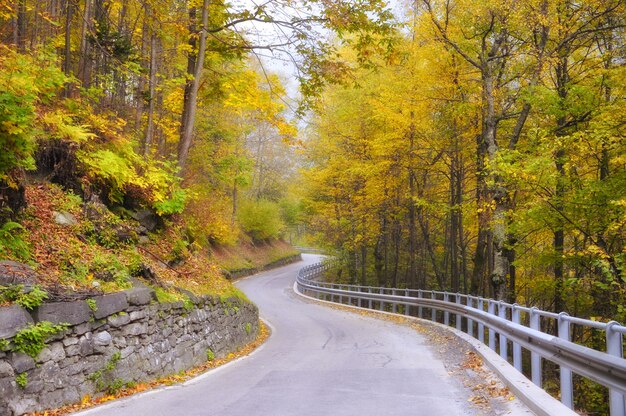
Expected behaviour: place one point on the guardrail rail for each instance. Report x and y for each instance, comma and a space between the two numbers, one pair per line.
506, 328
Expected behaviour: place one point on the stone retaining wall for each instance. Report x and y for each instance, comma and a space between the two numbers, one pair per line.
126, 337
239, 273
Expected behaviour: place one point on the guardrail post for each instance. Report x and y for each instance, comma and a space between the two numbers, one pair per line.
504, 345
382, 304
481, 326
491, 309
470, 322
614, 347
394, 305
369, 290
420, 312
535, 359
517, 349
446, 314
433, 311
407, 307
340, 296
567, 387
459, 319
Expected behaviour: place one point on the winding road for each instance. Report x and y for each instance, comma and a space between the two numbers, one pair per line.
318, 361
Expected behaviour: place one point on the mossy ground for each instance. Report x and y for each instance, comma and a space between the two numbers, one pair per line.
78, 258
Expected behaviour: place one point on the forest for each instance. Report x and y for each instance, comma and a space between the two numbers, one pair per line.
473, 147
483, 155
139, 138
476, 147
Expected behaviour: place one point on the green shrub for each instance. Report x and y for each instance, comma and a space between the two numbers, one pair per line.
101, 376
120, 168
71, 202
21, 380
175, 204
25, 81
28, 300
32, 339
109, 267
180, 250
13, 243
260, 219
92, 304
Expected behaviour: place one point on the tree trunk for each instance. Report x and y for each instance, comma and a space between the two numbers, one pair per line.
85, 62
190, 104
558, 239
412, 271
363, 264
67, 61
481, 250
20, 27
498, 194
233, 218
151, 91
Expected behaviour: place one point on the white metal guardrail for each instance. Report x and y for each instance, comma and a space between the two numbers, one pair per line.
506, 328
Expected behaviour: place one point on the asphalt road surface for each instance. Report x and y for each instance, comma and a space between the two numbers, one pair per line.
318, 361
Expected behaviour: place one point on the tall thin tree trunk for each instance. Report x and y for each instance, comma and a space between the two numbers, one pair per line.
558, 240
455, 214
412, 271
191, 100
481, 250
20, 26
84, 65
67, 61
151, 91
364, 264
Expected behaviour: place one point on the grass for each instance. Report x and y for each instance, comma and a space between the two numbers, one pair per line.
252, 256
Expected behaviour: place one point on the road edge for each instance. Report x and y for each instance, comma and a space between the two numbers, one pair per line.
535, 398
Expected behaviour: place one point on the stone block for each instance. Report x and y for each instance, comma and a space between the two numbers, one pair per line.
148, 219
12, 319
58, 398
72, 350
85, 345
68, 361
109, 304
6, 370
7, 388
14, 273
135, 329
34, 386
127, 351
64, 218
138, 296
102, 339
137, 315
74, 369
70, 341
120, 342
53, 352
72, 313
116, 321
22, 362
82, 328
25, 405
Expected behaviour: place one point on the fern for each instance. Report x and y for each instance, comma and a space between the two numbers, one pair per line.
12, 244
32, 339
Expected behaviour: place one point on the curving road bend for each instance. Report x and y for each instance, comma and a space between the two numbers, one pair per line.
318, 361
